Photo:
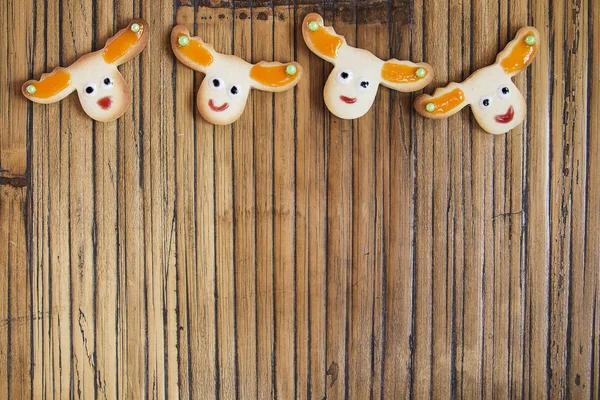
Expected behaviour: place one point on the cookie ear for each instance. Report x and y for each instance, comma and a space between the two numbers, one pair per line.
275, 76
127, 43
406, 76
520, 52
191, 51
51, 87
443, 103
321, 40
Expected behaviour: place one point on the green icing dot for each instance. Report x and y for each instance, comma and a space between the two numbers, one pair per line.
530, 40
31, 89
313, 25
420, 72
430, 107
135, 27
183, 41
291, 69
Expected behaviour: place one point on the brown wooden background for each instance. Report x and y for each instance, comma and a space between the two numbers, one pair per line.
294, 254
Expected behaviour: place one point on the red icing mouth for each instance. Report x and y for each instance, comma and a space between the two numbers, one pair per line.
220, 108
505, 118
349, 100
105, 103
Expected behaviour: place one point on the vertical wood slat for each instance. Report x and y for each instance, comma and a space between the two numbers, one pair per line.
339, 222
105, 217
158, 186
244, 214
263, 108
581, 97
398, 230
360, 324
284, 201
421, 384
311, 223
79, 196
537, 242
15, 323
490, 266
223, 26
16, 297
132, 323
187, 251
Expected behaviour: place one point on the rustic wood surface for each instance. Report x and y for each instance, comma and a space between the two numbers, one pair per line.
293, 254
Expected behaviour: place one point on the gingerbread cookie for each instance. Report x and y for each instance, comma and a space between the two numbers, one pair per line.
224, 91
496, 102
352, 85
102, 90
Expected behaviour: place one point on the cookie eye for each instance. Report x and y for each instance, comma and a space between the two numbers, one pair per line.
485, 102
107, 83
234, 91
344, 76
504, 92
363, 84
217, 83
90, 89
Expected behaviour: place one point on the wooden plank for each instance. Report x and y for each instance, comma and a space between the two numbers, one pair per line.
132, 316
360, 319
222, 25
15, 304
157, 178
40, 184
460, 202
537, 241
311, 222
244, 214
79, 196
262, 29
186, 206
441, 292
17, 49
582, 379
339, 223
49, 206
15, 301
284, 163
105, 219
398, 232
421, 383
509, 370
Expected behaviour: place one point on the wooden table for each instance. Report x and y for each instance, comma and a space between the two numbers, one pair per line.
293, 254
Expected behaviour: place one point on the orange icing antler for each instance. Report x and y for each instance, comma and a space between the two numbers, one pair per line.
127, 43
324, 40
520, 52
444, 102
49, 86
275, 76
191, 51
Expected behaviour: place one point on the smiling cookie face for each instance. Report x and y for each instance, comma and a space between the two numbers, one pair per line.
223, 94
350, 89
103, 94
102, 90
352, 85
496, 102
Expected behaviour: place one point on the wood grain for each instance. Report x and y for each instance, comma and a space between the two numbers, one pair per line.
293, 254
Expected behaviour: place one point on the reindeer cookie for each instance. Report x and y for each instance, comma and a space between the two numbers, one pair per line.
352, 85
496, 102
224, 91
102, 90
